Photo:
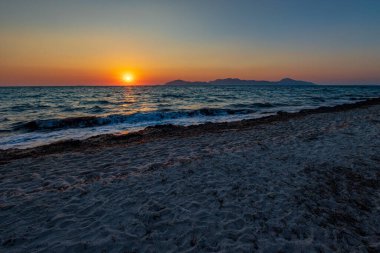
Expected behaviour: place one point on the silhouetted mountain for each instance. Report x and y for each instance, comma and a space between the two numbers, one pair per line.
182, 82
237, 81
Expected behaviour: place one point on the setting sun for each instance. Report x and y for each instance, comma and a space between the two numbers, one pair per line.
128, 78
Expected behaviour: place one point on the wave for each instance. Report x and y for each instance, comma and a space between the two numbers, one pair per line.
25, 107
104, 102
101, 102
256, 105
96, 109
154, 116
181, 96
318, 99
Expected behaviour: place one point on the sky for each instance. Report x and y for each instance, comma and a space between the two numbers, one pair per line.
95, 42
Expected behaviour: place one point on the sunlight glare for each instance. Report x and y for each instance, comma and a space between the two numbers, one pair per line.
127, 78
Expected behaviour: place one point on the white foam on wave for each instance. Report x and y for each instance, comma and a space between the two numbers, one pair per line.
116, 124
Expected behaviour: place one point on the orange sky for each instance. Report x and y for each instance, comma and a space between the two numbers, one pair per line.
93, 43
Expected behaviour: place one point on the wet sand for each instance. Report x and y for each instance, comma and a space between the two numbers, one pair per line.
293, 182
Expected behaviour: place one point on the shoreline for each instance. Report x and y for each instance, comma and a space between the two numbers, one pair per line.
294, 182
166, 131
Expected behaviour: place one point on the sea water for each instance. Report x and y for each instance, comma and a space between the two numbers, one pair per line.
32, 116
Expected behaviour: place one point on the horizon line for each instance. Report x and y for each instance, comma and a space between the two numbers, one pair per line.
164, 84
179, 79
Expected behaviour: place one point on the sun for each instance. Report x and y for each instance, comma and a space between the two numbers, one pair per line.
128, 77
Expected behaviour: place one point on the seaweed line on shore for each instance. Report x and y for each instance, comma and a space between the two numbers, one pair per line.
162, 131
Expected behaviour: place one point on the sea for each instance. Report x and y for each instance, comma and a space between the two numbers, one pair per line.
34, 116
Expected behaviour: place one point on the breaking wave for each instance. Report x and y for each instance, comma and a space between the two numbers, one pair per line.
93, 121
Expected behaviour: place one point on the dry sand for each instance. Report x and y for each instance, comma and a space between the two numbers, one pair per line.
307, 184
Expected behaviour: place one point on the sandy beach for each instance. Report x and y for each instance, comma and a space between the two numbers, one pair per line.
301, 182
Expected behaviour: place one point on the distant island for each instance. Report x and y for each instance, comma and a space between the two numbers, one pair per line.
237, 81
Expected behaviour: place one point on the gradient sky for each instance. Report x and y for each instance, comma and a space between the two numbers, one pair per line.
92, 42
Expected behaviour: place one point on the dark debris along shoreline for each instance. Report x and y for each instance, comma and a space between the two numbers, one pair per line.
163, 131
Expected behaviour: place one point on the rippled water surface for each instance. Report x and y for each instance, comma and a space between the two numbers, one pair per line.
31, 116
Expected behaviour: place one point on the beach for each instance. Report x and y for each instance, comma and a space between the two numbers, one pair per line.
293, 182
